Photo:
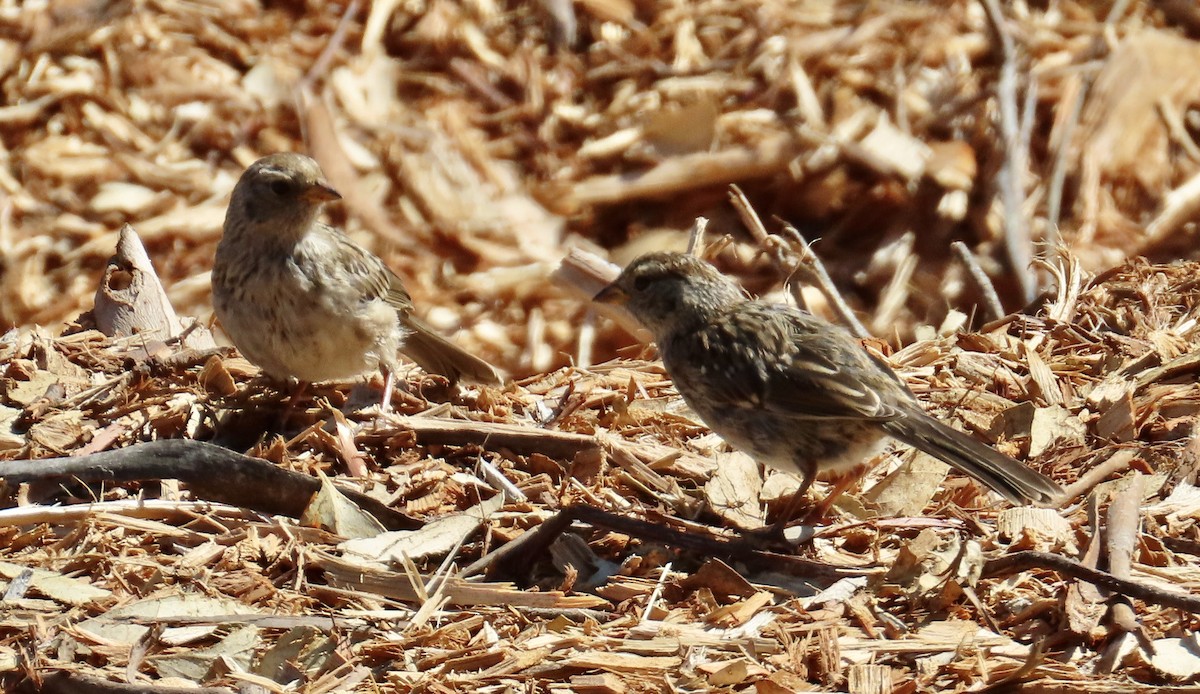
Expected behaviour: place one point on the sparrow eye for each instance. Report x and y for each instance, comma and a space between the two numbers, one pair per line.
279, 187
640, 283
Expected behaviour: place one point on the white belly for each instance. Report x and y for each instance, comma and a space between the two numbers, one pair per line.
295, 327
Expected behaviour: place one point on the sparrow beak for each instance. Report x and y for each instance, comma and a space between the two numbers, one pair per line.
321, 192
612, 294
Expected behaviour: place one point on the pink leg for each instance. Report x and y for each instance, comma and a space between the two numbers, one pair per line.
389, 384
839, 487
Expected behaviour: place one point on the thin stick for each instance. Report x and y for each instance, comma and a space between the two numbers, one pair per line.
749, 215
658, 589
778, 251
1116, 12
321, 64
678, 175
696, 236
586, 340
1058, 175
1116, 463
784, 255
993, 309
896, 292
1017, 241
821, 278
1017, 562
1180, 207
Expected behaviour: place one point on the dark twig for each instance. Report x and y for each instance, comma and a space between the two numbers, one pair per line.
1024, 561
518, 556
211, 472
66, 682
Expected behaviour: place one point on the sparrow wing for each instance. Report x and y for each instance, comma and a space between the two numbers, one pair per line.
780, 359
363, 272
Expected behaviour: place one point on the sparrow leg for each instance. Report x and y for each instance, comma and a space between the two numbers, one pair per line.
840, 485
389, 384
797, 502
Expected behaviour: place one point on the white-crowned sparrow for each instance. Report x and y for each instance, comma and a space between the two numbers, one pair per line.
795, 392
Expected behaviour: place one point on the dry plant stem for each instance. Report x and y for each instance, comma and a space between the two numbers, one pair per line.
991, 300
1035, 658
293, 401
1181, 545
477, 79
1183, 365
519, 439
1068, 281
1180, 137
1121, 541
584, 274
825, 284
663, 573
520, 553
1180, 207
211, 472
518, 556
321, 136
1058, 174
355, 578
1017, 240
1029, 559
895, 293
144, 509
1122, 527
749, 215
563, 21
773, 246
1091, 555
1116, 12
696, 236
321, 65
785, 257
586, 340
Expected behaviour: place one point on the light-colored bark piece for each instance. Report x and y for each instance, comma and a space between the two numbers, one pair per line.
131, 299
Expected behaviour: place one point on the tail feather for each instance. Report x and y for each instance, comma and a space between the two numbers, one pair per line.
1010, 478
436, 354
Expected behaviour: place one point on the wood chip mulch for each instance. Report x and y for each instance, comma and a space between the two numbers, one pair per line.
490, 586
168, 526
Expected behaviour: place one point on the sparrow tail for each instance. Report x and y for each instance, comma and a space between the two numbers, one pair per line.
1010, 478
436, 354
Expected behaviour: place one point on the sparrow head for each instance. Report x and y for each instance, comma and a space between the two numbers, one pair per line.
671, 291
280, 194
